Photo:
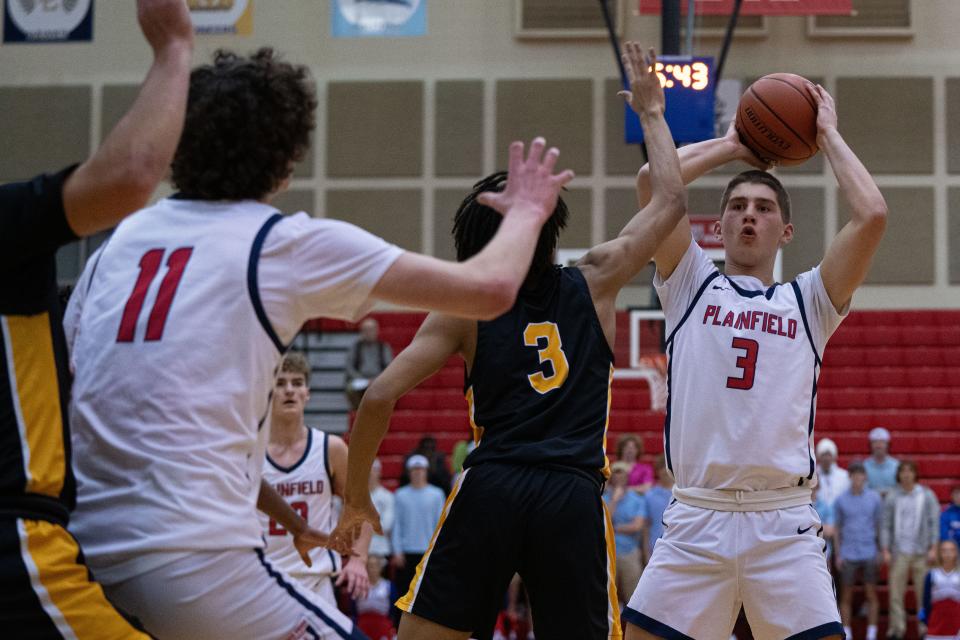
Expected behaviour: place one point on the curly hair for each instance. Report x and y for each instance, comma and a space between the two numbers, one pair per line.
474, 225
248, 121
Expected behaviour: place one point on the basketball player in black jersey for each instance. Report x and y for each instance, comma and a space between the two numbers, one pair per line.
538, 388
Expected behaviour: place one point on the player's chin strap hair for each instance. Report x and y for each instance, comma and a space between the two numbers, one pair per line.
737, 500
474, 225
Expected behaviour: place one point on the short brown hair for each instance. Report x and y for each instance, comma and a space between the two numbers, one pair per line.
624, 439
296, 362
908, 464
759, 177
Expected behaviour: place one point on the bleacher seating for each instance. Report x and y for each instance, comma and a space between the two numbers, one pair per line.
897, 369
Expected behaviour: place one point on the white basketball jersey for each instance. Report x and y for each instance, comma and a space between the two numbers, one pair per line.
308, 487
176, 328
743, 362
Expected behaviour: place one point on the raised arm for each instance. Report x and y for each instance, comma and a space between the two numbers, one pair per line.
438, 338
123, 173
486, 285
609, 266
848, 258
695, 160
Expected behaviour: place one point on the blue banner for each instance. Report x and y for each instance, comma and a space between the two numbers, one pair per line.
47, 21
378, 18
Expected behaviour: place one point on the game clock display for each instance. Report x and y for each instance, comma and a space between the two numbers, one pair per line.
688, 87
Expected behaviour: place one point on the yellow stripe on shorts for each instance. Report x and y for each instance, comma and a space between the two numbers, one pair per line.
613, 606
406, 602
76, 605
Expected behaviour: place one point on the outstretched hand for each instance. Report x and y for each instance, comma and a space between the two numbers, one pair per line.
309, 539
351, 524
645, 95
532, 188
826, 109
165, 23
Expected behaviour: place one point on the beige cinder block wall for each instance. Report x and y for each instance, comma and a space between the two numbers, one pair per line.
406, 125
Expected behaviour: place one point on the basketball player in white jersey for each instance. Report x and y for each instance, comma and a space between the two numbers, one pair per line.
744, 356
177, 327
307, 468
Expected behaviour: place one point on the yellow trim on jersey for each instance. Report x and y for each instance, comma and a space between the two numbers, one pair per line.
35, 385
606, 425
406, 602
477, 431
613, 606
75, 604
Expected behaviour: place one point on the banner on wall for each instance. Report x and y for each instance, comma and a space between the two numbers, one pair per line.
759, 7
48, 21
222, 16
378, 18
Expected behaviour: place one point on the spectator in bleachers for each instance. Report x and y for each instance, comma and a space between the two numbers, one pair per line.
831, 478
383, 500
858, 513
908, 537
881, 467
438, 473
941, 596
824, 509
418, 506
658, 497
629, 450
950, 518
628, 511
373, 611
367, 359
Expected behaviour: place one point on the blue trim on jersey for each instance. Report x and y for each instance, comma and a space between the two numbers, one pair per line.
821, 631
710, 278
650, 625
806, 325
253, 287
306, 452
666, 422
353, 634
817, 363
748, 293
330, 524
666, 419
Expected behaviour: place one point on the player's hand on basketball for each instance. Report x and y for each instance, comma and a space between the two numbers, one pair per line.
354, 578
307, 539
165, 23
351, 523
741, 151
532, 188
645, 96
826, 109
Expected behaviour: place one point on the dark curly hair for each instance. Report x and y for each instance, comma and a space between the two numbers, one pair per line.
474, 225
248, 121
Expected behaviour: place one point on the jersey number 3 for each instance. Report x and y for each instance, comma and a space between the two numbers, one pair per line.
149, 266
747, 362
551, 352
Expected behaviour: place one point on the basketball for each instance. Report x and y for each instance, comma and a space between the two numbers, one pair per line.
777, 119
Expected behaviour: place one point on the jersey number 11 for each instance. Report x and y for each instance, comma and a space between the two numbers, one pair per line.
149, 266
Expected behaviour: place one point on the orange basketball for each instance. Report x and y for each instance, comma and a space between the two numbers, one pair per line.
777, 119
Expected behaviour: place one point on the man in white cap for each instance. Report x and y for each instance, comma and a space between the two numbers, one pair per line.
417, 509
831, 479
881, 468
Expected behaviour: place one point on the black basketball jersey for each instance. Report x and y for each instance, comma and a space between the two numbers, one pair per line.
539, 390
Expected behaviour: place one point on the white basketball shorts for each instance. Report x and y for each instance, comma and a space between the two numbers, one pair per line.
709, 563
233, 594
